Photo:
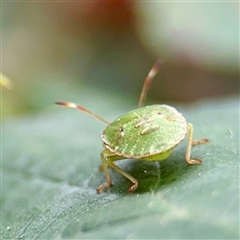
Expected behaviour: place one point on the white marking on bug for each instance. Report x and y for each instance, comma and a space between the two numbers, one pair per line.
143, 121
149, 129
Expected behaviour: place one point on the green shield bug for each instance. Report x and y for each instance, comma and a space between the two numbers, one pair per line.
147, 133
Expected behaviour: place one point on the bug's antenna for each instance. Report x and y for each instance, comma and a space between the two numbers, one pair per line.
82, 109
148, 81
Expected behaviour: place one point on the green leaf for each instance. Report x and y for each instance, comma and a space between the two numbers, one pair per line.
50, 173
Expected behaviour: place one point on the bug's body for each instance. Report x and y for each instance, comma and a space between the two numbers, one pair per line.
144, 132
148, 133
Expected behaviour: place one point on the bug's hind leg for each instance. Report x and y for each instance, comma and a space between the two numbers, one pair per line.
107, 162
191, 143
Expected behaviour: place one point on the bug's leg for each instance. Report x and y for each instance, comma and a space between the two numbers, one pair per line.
104, 167
188, 158
107, 162
126, 175
199, 141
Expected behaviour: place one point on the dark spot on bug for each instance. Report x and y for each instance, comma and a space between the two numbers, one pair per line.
119, 136
121, 131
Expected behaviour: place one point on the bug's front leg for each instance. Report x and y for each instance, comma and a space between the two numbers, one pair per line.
104, 167
191, 143
107, 162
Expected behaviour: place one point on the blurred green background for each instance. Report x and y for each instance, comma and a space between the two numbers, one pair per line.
54, 50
